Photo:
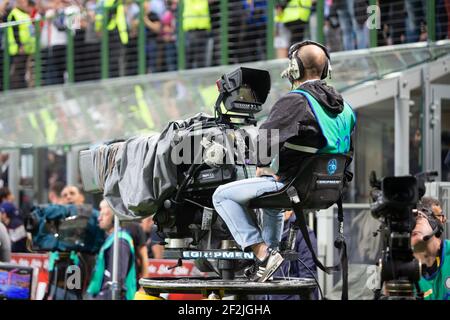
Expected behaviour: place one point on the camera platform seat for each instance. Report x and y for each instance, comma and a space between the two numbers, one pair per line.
219, 287
318, 184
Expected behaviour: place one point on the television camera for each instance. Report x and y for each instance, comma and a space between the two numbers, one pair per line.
192, 228
214, 151
394, 202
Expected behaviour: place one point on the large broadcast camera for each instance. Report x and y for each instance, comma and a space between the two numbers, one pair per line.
188, 219
394, 202
215, 150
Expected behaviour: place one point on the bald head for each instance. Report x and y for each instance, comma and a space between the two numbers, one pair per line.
314, 60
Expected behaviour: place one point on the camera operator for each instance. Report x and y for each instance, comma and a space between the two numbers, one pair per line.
300, 117
100, 285
436, 208
432, 251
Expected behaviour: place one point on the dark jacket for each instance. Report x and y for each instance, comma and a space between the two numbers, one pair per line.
297, 124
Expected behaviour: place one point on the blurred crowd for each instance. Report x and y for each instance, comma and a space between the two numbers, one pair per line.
345, 28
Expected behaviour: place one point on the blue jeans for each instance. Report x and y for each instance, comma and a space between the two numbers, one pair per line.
231, 200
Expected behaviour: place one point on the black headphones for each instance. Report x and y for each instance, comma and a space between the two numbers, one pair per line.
296, 69
435, 224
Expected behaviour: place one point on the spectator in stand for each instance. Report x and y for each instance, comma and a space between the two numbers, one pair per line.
21, 43
153, 28
154, 242
132, 17
13, 222
87, 49
116, 25
352, 16
254, 31
168, 35
442, 19
415, 18
197, 27
393, 27
447, 9
55, 193
332, 30
295, 15
53, 42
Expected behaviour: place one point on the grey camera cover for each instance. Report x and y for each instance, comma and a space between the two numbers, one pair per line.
144, 174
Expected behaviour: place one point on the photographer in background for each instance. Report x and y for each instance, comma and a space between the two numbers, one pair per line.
433, 252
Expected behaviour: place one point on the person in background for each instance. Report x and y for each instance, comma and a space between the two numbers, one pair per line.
139, 239
434, 254
153, 27
13, 222
72, 195
100, 285
168, 35
393, 29
254, 30
295, 16
55, 193
352, 15
332, 30
21, 43
116, 25
436, 208
154, 247
4, 165
282, 34
53, 42
5, 244
197, 26
132, 18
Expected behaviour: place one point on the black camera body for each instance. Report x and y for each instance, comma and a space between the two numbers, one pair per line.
222, 152
394, 199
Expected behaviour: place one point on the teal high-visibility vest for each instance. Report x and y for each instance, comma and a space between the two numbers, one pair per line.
97, 278
437, 285
336, 129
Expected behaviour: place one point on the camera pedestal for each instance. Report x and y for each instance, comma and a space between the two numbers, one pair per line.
239, 286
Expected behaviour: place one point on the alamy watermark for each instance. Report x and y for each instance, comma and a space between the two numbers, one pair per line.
73, 277
374, 17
